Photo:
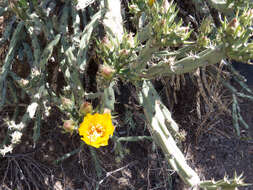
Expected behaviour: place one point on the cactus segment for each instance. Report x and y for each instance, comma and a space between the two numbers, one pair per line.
161, 127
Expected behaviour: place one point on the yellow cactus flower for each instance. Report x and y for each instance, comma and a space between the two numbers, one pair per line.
96, 129
151, 2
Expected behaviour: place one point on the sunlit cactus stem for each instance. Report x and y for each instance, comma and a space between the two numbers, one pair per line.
224, 184
114, 28
160, 126
207, 57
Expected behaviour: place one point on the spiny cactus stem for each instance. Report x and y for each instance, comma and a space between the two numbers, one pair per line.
133, 138
113, 20
159, 129
145, 55
229, 184
85, 39
108, 97
17, 36
210, 56
114, 28
144, 34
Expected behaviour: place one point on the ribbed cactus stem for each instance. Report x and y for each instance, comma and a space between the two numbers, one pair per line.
114, 28
145, 55
144, 33
209, 56
113, 19
224, 184
161, 126
108, 97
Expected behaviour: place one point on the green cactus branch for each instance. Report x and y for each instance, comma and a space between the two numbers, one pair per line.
161, 127
144, 33
224, 184
145, 55
7, 31
207, 57
108, 97
16, 38
114, 28
113, 20
85, 38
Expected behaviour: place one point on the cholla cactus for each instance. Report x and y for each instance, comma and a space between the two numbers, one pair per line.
162, 31
235, 35
162, 46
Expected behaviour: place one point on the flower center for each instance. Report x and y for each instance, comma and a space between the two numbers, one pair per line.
95, 132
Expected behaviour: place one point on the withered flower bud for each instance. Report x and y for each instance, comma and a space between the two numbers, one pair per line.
107, 43
85, 108
233, 23
231, 28
69, 126
124, 52
106, 71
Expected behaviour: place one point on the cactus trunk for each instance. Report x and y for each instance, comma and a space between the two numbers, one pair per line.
161, 126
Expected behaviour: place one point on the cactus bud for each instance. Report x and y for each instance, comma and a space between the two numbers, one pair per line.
250, 13
106, 71
246, 18
105, 40
233, 23
232, 26
69, 126
106, 110
124, 52
183, 30
107, 43
85, 108
203, 41
134, 9
150, 3
23, 82
163, 22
